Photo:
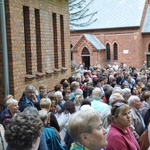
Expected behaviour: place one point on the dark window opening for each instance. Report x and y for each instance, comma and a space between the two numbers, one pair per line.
55, 40
38, 40
27, 37
115, 51
62, 40
108, 51
149, 48
71, 51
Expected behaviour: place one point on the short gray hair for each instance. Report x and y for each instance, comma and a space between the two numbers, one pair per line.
96, 93
126, 90
10, 102
132, 98
29, 87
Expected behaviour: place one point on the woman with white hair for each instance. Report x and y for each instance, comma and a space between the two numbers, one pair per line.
126, 93
12, 109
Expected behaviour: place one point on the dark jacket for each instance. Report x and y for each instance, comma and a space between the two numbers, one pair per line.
25, 102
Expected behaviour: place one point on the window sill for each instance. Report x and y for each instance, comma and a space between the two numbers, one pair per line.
39, 74
49, 72
63, 69
56, 70
29, 76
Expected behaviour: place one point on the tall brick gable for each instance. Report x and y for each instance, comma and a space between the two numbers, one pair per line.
39, 44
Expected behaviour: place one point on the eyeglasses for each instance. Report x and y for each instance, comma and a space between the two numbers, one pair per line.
117, 105
31, 92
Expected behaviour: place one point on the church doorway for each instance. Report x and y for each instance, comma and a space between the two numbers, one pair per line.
86, 57
148, 60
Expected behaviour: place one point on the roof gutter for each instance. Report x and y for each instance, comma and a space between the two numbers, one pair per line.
4, 47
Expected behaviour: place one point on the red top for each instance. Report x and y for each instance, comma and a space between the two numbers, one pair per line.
118, 139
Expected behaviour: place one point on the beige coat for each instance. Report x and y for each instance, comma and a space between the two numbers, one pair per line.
137, 123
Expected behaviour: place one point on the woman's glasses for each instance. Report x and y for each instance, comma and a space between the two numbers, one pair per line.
117, 105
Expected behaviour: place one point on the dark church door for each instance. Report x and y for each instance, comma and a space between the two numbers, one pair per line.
148, 61
86, 57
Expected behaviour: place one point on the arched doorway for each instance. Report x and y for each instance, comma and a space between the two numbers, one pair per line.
86, 57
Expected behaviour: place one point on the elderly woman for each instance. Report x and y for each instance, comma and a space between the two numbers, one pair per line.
120, 135
126, 93
12, 109
85, 127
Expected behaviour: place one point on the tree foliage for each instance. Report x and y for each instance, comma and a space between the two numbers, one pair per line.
80, 14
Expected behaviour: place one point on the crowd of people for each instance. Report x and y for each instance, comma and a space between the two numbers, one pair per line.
99, 108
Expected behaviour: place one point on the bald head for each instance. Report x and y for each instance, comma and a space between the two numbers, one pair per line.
96, 93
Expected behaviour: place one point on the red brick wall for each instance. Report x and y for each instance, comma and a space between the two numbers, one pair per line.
16, 44
126, 39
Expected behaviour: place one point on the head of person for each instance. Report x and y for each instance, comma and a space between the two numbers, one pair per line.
12, 105
74, 85
96, 93
30, 92
120, 115
8, 97
78, 92
58, 87
66, 86
134, 90
45, 103
125, 85
42, 91
31, 110
144, 79
128, 77
138, 81
116, 97
134, 101
126, 93
146, 96
53, 99
68, 107
117, 90
78, 78
85, 127
43, 116
59, 96
78, 100
66, 95
23, 132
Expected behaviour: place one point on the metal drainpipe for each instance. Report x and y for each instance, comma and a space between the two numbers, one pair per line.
4, 47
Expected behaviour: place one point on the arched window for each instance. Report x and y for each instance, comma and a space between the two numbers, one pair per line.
107, 51
71, 51
85, 52
149, 47
115, 51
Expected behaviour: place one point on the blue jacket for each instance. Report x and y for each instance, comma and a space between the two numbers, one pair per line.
53, 143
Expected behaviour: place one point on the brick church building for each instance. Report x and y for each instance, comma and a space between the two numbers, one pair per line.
37, 49
120, 34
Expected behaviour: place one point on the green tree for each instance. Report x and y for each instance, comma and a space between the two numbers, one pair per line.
80, 14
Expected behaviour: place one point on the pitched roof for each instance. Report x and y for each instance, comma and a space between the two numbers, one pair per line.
115, 14
146, 26
93, 40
